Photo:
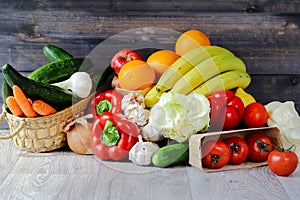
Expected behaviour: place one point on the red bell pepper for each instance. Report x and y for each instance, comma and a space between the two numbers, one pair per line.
108, 101
113, 136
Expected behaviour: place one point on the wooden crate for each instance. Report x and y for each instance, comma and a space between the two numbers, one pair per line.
196, 141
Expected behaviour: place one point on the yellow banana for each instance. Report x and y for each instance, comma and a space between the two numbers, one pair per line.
225, 81
207, 69
246, 97
172, 74
152, 97
199, 54
185, 63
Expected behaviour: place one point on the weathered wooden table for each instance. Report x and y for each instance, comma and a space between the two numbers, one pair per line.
66, 175
264, 33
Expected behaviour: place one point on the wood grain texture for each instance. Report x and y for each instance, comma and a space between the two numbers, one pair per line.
162, 7
237, 184
66, 175
267, 42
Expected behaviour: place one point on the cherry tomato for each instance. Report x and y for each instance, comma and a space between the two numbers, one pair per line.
216, 154
282, 162
239, 149
227, 110
260, 145
238, 105
255, 116
231, 118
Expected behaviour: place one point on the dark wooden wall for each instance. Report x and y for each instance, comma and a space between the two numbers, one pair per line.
264, 33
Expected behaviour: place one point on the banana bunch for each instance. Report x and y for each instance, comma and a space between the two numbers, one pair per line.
202, 70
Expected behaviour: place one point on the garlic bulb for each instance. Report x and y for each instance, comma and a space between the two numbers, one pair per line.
133, 107
141, 152
80, 83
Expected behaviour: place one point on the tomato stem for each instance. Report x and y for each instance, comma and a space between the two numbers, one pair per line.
263, 146
281, 149
234, 147
215, 158
290, 148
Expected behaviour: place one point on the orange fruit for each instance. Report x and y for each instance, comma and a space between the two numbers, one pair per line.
161, 60
189, 40
136, 75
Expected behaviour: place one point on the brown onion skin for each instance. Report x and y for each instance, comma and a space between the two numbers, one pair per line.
78, 139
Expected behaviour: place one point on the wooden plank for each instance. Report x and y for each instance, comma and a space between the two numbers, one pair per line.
48, 186
162, 7
267, 88
253, 183
70, 176
291, 183
265, 42
8, 157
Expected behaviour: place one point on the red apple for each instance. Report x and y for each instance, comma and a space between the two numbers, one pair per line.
122, 57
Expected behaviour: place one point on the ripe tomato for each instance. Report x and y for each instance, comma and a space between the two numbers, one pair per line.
255, 116
231, 119
237, 103
282, 162
260, 145
239, 149
227, 110
216, 154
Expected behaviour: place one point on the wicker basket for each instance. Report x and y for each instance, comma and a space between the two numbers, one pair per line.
42, 134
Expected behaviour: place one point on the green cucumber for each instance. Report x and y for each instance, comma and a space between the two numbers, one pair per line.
6, 92
95, 76
171, 155
54, 53
53, 95
58, 71
105, 82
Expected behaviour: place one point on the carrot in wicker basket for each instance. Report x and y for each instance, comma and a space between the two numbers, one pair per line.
23, 102
42, 108
13, 106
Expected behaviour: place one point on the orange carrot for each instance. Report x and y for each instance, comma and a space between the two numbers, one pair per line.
23, 102
13, 106
42, 108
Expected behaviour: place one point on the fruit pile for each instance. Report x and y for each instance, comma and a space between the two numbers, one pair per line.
172, 95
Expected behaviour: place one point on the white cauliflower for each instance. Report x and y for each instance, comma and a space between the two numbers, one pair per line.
178, 116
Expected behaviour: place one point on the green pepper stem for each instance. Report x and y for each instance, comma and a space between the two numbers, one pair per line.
110, 135
103, 106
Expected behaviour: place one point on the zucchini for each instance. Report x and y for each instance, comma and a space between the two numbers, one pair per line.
105, 81
171, 155
53, 95
54, 53
58, 71
6, 92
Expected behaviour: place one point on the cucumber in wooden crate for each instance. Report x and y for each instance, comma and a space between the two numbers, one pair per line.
53, 95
